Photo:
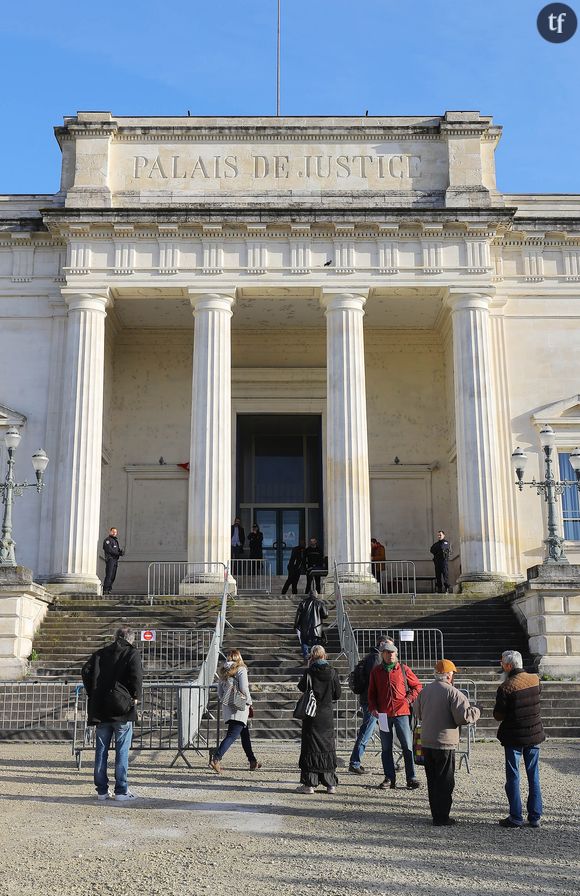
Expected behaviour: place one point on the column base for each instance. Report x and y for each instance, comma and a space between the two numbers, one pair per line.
74, 584
23, 605
353, 586
206, 585
484, 584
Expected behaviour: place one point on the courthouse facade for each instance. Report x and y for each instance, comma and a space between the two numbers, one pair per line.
339, 324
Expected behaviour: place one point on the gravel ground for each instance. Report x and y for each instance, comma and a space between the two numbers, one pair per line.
192, 832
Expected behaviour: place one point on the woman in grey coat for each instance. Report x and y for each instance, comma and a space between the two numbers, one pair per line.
234, 671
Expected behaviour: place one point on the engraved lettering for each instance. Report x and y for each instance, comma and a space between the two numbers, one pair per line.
396, 166
199, 167
320, 166
381, 160
157, 168
261, 166
140, 163
175, 168
216, 166
281, 164
343, 165
363, 164
231, 166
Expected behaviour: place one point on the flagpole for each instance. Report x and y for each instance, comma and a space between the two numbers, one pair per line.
278, 65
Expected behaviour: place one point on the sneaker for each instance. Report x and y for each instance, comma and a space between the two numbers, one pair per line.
387, 783
304, 789
105, 796
356, 769
255, 765
125, 797
413, 784
331, 789
216, 765
508, 823
446, 822
211, 751
535, 823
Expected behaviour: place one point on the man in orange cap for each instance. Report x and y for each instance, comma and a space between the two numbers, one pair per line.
442, 708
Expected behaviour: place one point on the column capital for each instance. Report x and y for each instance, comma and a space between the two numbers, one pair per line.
341, 300
461, 299
89, 300
202, 300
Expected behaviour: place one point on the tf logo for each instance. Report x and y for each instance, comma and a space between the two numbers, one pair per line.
557, 23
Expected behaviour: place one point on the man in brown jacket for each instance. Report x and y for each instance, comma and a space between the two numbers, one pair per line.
517, 707
442, 708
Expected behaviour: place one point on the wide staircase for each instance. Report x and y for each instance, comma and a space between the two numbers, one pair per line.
475, 632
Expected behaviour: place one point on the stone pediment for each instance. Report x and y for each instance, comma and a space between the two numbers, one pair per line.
9, 417
565, 411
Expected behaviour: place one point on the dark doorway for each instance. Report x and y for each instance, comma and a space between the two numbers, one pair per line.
279, 480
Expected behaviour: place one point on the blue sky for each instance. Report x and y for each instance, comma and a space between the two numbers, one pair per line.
392, 57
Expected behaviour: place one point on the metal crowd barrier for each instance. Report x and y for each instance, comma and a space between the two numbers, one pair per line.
384, 576
39, 710
171, 717
166, 579
252, 575
174, 650
421, 651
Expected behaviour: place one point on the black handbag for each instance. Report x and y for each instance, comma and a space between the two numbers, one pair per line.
306, 705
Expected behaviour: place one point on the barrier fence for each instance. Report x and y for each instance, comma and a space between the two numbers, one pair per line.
419, 648
37, 710
252, 575
385, 577
171, 717
166, 579
174, 650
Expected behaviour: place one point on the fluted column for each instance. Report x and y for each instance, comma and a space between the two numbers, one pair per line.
78, 499
210, 498
481, 531
347, 522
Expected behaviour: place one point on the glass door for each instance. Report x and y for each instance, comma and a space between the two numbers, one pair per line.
282, 529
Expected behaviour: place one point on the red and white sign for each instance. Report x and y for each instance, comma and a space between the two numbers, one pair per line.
149, 635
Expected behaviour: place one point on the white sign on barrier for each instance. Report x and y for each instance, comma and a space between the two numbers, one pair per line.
406, 634
149, 635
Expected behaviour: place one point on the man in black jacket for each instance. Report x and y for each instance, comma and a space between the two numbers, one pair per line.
113, 680
308, 623
517, 707
295, 568
112, 552
313, 560
369, 722
440, 550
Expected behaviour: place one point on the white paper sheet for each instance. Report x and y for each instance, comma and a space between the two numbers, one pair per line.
383, 721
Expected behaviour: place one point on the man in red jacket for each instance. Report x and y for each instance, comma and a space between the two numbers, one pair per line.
392, 688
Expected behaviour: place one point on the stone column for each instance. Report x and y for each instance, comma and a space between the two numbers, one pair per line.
210, 490
347, 521
483, 553
78, 498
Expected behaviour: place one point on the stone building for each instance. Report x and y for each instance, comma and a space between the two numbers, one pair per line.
369, 325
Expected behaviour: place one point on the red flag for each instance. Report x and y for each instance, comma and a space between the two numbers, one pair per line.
184, 466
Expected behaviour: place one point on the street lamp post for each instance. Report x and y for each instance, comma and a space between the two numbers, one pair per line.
10, 489
550, 488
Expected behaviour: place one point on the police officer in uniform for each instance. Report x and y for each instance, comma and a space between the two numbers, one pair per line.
112, 552
440, 551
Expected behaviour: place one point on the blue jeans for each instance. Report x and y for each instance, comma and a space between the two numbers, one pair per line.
512, 784
403, 728
123, 732
305, 649
365, 732
234, 731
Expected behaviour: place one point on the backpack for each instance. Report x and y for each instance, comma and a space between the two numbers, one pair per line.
358, 680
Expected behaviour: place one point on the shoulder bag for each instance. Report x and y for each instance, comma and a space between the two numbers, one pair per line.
306, 706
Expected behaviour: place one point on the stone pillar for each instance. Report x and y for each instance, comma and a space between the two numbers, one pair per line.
347, 522
210, 489
23, 605
483, 553
78, 498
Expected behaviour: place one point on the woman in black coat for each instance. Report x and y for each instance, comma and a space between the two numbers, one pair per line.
318, 748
